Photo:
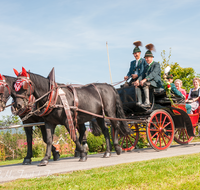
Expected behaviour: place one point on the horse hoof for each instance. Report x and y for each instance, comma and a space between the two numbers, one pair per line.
76, 153
56, 156
83, 159
107, 155
43, 163
26, 161
118, 150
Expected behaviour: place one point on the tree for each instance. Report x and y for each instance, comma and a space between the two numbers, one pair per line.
185, 74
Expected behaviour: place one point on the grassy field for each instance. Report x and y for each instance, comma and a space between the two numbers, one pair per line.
182, 172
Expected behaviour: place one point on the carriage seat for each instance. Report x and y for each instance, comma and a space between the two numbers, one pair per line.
159, 91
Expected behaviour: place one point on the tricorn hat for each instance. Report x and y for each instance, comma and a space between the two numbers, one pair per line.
137, 44
150, 48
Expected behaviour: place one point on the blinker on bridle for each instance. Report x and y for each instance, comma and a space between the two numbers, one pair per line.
3, 85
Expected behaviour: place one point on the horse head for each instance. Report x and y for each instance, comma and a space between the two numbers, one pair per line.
4, 93
24, 89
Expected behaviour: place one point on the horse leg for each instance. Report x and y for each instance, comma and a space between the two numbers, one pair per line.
49, 131
118, 149
29, 138
105, 131
79, 147
55, 153
82, 140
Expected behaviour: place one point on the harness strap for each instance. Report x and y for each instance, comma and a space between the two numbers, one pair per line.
68, 113
73, 89
103, 112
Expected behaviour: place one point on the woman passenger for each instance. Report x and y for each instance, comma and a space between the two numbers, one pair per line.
194, 94
178, 84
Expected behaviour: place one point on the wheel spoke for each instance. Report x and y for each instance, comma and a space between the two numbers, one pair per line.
133, 136
126, 142
154, 125
167, 124
167, 136
163, 139
160, 141
122, 142
164, 120
130, 140
156, 118
186, 134
153, 130
154, 135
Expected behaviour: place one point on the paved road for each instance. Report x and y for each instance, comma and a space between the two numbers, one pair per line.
64, 165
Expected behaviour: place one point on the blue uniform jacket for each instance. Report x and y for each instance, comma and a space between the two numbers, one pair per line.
153, 74
140, 68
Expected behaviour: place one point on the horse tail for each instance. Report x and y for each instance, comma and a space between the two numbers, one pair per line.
123, 129
95, 128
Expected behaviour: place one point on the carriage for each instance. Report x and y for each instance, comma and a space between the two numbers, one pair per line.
161, 123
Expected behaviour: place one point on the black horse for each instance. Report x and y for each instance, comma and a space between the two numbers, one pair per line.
7, 90
95, 98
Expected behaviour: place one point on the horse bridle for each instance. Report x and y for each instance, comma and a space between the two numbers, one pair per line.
3, 98
28, 98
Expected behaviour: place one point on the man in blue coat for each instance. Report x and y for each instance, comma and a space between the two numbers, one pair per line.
138, 65
151, 79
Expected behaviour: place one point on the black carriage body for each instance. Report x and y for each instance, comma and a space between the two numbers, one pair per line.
158, 100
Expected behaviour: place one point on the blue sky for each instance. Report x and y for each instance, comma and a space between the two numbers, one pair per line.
71, 36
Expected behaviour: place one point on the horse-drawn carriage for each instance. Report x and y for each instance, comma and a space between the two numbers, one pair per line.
73, 106
162, 123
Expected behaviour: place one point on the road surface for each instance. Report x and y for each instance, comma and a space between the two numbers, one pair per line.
64, 165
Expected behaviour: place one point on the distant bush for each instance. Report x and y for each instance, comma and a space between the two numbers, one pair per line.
96, 143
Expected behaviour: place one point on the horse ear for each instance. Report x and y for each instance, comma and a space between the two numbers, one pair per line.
16, 72
1, 78
24, 73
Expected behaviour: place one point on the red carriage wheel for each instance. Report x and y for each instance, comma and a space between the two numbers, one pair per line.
128, 142
160, 130
181, 136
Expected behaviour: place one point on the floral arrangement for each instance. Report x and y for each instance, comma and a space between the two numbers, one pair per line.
167, 87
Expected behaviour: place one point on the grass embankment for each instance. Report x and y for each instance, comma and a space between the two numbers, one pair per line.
182, 172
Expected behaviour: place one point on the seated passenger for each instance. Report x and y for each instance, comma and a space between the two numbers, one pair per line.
137, 66
178, 91
151, 77
194, 95
178, 83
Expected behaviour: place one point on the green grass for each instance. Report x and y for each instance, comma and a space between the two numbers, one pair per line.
182, 172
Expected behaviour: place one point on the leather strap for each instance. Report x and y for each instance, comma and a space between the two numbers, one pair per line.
63, 98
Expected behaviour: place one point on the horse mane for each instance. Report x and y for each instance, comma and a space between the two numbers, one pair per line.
42, 84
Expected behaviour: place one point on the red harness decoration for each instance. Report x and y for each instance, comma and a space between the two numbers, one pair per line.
19, 83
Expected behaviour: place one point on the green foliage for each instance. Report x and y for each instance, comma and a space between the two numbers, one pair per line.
38, 147
10, 120
142, 142
184, 74
96, 144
